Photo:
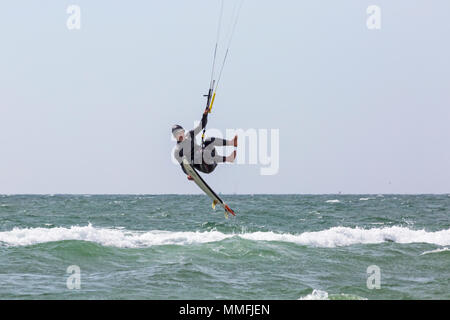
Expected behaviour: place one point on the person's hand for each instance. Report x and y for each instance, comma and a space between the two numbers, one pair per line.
206, 111
190, 178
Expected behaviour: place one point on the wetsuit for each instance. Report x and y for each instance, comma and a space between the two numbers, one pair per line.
203, 158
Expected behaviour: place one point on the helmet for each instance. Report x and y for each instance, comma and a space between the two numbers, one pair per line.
176, 130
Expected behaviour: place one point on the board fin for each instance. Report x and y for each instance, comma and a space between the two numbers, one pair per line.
214, 204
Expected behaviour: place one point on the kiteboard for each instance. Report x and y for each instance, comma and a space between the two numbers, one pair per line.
206, 189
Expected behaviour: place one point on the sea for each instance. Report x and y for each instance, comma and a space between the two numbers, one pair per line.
286, 247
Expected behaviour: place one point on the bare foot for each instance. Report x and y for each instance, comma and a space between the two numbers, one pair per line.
231, 157
233, 142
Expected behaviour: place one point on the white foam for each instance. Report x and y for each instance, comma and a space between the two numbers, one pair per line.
316, 295
364, 199
323, 295
333, 237
343, 236
107, 237
436, 251
332, 201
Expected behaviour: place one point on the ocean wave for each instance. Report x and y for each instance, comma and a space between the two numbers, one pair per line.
316, 295
122, 238
333, 201
436, 251
323, 295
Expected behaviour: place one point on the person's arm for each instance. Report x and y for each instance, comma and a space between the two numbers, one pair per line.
178, 153
184, 170
202, 123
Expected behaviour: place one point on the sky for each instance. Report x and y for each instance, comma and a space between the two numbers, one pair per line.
357, 110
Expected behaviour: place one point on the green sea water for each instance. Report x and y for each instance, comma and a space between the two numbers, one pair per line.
177, 247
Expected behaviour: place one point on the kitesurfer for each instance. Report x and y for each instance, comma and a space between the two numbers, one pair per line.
203, 158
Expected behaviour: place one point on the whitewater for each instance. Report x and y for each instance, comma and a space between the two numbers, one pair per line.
333, 237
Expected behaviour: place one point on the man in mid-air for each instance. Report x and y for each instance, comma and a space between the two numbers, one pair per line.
202, 158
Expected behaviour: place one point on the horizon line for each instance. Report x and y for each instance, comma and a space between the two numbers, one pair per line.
198, 194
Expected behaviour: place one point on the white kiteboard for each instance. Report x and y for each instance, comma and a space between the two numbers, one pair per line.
205, 188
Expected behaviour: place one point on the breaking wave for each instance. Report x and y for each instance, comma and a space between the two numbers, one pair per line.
121, 238
323, 295
436, 251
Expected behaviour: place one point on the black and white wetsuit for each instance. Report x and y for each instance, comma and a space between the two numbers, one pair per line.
202, 159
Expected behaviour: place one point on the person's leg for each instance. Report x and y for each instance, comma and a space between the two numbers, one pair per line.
219, 142
230, 158
209, 152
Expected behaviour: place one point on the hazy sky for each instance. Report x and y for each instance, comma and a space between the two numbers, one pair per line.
358, 110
